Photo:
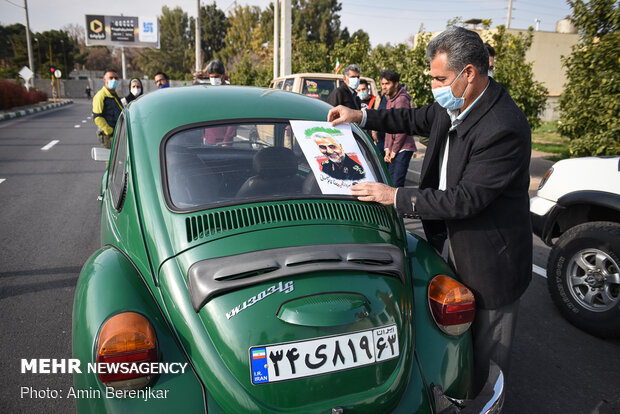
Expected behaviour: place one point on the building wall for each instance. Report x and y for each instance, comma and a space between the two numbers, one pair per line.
546, 56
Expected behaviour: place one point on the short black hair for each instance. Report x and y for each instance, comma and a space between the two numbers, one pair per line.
364, 82
390, 75
106, 70
163, 74
215, 66
490, 49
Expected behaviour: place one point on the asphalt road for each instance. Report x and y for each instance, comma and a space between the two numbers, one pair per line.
49, 225
49, 220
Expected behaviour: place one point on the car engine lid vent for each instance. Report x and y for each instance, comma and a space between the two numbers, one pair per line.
223, 222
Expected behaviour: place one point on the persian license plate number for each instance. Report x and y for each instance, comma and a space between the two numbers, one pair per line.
292, 360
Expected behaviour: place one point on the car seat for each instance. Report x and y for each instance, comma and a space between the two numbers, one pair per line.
276, 169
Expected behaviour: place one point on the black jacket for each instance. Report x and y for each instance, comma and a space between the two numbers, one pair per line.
485, 207
342, 95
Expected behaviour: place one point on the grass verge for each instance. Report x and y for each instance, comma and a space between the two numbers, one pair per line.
546, 138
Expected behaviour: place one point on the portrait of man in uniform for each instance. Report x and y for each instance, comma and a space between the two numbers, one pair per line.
338, 164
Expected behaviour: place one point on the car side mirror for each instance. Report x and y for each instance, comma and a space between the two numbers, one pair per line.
100, 154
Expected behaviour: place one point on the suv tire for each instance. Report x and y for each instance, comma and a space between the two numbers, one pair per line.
583, 276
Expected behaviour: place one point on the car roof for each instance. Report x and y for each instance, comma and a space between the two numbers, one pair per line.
167, 109
317, 75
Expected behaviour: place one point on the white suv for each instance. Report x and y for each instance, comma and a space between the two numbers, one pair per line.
578, 202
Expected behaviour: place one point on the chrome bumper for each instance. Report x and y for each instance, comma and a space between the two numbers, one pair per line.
490, 400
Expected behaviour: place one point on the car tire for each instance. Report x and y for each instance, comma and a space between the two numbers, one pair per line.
582, 276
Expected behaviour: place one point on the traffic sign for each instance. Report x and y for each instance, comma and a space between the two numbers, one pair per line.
57, 73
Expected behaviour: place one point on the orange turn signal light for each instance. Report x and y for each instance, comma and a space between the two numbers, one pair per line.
452, 304
129, 338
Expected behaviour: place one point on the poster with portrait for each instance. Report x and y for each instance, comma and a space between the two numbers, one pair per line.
333, 154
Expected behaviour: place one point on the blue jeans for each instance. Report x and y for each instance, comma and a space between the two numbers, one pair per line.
398, 167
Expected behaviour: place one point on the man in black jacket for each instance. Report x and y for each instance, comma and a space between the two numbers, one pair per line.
474, 184
346, 93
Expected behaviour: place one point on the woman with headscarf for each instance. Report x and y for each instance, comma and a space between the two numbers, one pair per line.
135, 90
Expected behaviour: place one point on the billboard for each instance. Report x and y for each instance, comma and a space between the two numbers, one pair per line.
117, 31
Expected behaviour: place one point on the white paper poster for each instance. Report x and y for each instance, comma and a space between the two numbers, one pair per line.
333, 154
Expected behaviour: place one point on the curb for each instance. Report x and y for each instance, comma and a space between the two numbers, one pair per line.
24, 112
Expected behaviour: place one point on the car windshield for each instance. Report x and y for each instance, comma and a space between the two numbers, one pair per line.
230, 163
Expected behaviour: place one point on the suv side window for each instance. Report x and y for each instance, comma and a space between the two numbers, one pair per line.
318, 88
118, 177
288, 84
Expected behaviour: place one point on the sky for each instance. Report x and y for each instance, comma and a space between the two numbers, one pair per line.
392, 21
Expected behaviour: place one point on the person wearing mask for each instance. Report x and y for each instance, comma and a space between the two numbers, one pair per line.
346, 93
135, 90
399, 147
473, 184
218, 135
107, 107
162, 80
216, 73
365, 94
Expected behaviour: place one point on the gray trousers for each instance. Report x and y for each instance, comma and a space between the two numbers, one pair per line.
492, 333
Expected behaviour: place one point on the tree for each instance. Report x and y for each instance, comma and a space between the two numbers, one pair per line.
310, 56
590, 103
354, 50
411, 65
176, 55
13, 54
515, 74
213, 28
246, 54
318, 21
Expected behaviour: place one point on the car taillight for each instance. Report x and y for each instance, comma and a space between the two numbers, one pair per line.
126, 341
453, 305
545, 178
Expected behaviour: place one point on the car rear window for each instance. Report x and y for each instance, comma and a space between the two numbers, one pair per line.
233, 163
318, 88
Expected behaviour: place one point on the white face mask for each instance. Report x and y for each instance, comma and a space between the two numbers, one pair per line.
354, 82
136, 91
215, 81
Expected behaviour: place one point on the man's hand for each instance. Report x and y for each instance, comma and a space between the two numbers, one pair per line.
342, 114
380, 193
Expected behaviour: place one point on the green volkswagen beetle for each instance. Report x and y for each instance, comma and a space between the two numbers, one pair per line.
237, 275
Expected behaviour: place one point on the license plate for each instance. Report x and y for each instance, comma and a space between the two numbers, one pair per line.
299, 359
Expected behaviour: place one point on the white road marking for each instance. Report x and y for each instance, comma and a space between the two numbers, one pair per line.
76, 126
2, 180
83, 121
50, 145
539, 271
89, 117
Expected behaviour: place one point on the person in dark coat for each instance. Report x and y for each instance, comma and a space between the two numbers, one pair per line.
346, 93
474, 184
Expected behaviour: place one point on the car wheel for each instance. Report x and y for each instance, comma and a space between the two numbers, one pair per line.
583, 275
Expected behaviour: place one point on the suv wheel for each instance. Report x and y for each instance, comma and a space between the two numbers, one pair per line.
583, 275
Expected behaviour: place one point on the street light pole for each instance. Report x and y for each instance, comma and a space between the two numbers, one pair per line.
198, 41
30, 63
509, 16
285, 38
276, 39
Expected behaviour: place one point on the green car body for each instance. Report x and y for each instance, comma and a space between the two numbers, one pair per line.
227, 283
